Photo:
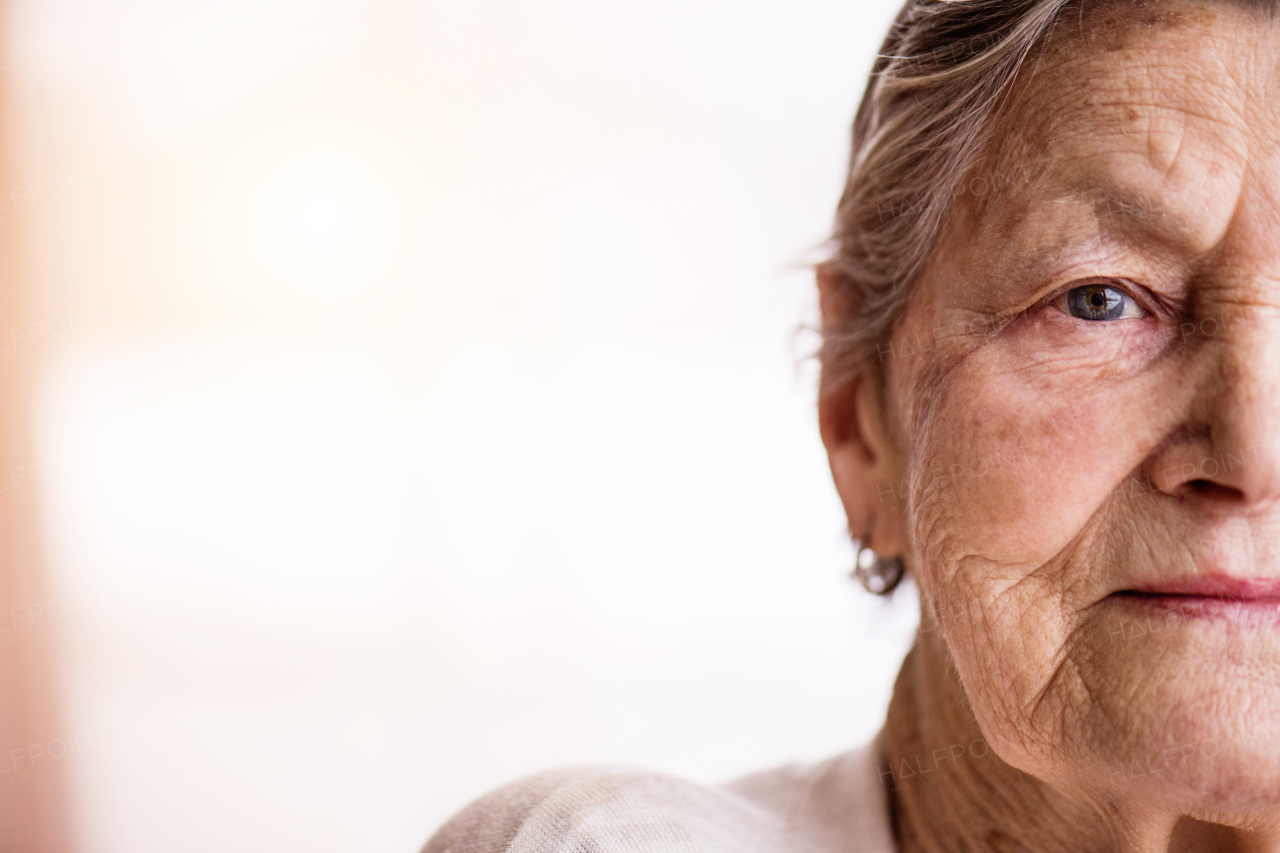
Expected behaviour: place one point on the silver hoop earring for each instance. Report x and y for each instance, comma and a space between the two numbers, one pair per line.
879, 575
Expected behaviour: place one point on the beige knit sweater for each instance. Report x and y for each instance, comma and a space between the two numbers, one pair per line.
837, 806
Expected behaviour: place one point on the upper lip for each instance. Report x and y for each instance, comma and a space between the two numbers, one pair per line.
1214, 586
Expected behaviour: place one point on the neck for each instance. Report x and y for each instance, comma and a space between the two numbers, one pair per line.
948, 792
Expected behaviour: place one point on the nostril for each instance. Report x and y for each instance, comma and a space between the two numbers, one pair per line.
1210, 489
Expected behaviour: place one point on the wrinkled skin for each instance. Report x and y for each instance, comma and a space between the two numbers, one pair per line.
1032, 467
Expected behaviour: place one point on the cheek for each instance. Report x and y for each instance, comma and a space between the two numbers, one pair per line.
1010, 474
1013, 465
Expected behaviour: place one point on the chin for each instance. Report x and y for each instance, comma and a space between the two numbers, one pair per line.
1187, 716
1209, 775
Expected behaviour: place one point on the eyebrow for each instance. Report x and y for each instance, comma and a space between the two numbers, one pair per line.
1121, 211
1122, 216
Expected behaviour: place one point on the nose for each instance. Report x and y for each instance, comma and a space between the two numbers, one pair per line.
1229, 451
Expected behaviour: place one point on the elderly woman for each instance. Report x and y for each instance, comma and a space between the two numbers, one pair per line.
1051, 396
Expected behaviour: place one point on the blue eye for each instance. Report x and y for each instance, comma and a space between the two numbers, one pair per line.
1102, 302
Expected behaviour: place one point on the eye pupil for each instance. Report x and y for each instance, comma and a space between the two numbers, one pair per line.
1098, 300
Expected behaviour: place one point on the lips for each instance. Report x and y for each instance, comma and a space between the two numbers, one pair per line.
1243, 590
1244, 602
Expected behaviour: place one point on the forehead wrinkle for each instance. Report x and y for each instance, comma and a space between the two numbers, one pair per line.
1127, 90
1164, 197
1132, 78
1076, 128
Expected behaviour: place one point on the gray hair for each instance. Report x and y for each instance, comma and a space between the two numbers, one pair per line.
925, 121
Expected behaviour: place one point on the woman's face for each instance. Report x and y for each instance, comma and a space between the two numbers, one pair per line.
1087, 391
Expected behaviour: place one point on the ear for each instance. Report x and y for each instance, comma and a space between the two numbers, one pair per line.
866, 463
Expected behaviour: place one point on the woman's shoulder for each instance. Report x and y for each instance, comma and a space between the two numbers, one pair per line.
833, 806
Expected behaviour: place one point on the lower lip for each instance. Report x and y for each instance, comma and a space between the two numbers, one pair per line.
1205, 606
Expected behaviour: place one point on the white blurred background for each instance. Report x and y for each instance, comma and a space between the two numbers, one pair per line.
420, 402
